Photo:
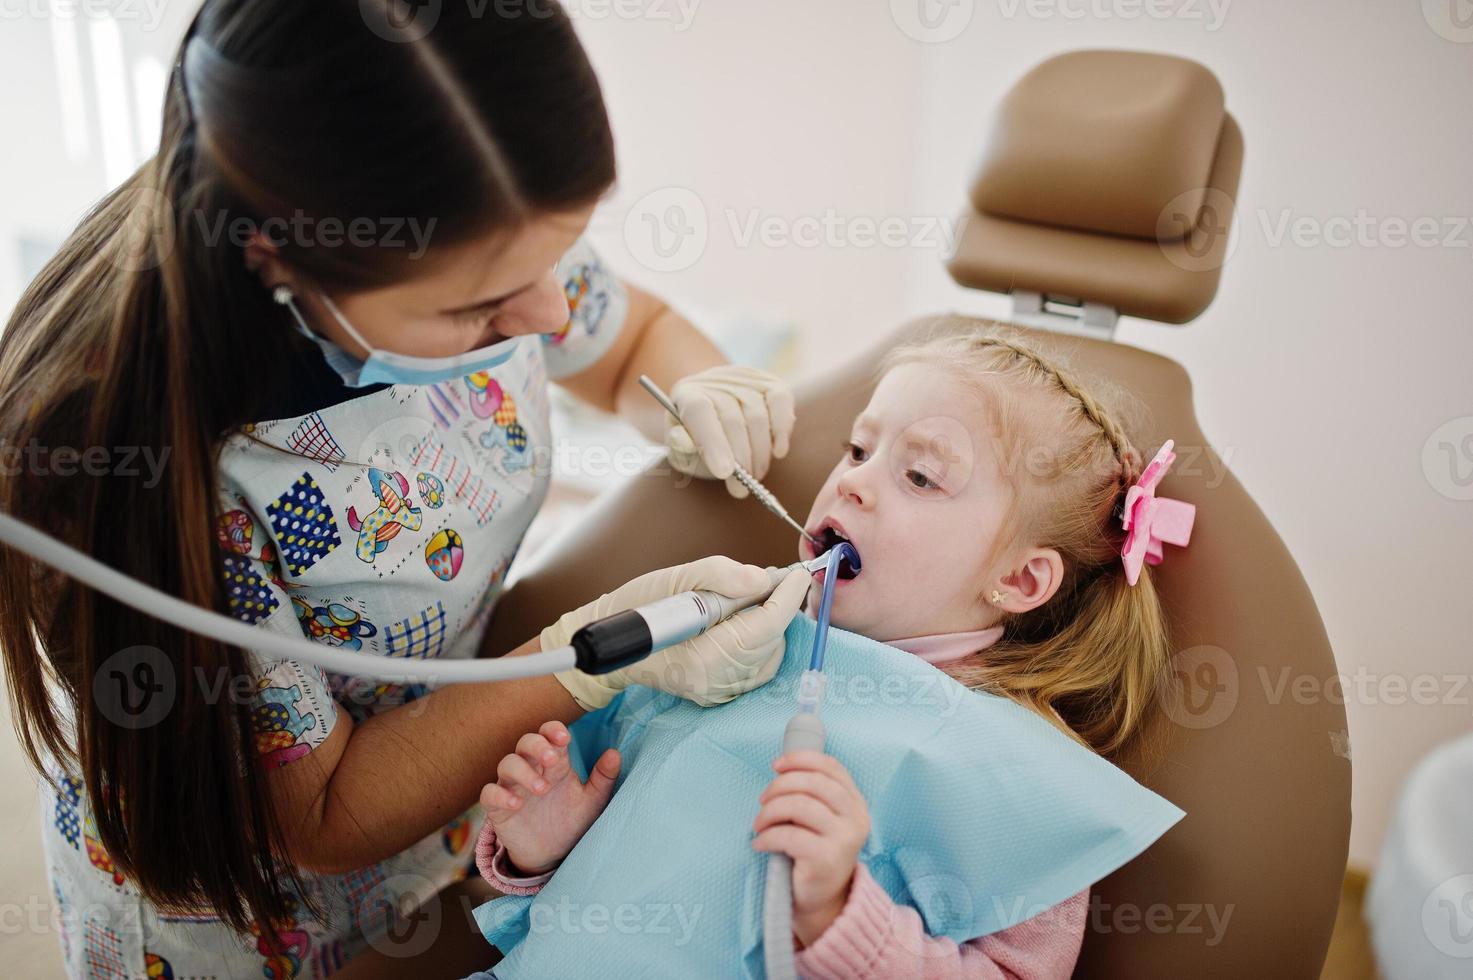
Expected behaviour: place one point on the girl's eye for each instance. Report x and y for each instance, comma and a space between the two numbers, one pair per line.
855, 452
921, 481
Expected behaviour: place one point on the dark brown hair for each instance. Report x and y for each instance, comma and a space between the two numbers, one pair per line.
147, 332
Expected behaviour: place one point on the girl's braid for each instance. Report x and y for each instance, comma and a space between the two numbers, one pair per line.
1129, 458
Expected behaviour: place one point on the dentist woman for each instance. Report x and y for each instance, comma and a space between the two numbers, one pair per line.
356, 437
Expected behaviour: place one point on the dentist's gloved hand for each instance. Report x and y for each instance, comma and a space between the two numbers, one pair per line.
729, 659
732, 415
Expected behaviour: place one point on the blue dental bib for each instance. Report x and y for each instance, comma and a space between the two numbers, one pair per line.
982, 815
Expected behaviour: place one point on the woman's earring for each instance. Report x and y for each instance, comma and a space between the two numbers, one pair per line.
997, 597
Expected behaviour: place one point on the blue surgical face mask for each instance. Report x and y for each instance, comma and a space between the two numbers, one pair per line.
387, 367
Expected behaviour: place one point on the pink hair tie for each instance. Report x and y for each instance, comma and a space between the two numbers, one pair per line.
1150, 520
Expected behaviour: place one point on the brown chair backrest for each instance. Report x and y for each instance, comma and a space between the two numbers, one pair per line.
1253, 743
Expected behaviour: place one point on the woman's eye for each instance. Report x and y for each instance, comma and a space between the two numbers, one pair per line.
920, 480
855, 452
472, 318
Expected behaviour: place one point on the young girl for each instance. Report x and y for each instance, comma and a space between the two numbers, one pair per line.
989, 496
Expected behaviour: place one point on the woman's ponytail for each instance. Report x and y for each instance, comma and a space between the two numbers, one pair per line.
146, 338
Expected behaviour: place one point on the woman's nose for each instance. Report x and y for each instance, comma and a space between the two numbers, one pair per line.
541, 309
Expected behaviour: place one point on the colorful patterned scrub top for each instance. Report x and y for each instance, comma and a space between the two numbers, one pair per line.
384, 523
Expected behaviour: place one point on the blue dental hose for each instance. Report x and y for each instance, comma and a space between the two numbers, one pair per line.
804, 731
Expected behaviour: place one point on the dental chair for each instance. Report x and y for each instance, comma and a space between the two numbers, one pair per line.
1105, 188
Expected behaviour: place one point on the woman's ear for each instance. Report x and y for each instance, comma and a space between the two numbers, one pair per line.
1031, 583
263, 259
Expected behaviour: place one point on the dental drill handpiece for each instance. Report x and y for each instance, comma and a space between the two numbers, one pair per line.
629, 636
764, 496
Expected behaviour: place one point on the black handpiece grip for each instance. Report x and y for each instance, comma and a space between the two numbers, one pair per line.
613, 642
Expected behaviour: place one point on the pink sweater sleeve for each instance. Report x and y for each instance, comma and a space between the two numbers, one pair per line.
496, 867
875, 938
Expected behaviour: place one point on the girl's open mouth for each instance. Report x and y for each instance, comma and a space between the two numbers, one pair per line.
829, 538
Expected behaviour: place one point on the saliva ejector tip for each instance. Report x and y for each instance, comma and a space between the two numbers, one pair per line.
848, 557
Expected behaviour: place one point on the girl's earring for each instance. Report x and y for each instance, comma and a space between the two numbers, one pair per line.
997, 597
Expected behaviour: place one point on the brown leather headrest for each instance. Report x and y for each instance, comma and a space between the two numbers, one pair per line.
1108, 177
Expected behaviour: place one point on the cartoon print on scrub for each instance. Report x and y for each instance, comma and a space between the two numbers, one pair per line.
334, 624
278, 724
445, 553
305, 526
328, 956
464, 485
490, 401
431, 490
394, 512
102, 950
75, 824
157, 967
247, 594
445, 403
455, 834
293, 945
312, 439
588, 297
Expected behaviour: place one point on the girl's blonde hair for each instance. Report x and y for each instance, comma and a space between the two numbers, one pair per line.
1094, 653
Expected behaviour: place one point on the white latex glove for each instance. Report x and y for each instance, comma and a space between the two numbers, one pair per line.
729, 659
733, 415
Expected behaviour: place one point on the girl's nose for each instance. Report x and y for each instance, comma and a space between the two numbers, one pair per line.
541, 309
856, 484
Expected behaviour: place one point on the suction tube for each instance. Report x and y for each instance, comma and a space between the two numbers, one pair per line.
804, 731
205, 622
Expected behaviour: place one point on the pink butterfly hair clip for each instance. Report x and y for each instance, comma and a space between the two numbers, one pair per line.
1150, 521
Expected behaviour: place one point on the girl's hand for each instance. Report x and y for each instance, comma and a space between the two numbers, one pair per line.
538, 806
813, 813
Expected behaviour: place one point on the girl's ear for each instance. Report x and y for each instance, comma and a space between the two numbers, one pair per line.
1033, 582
